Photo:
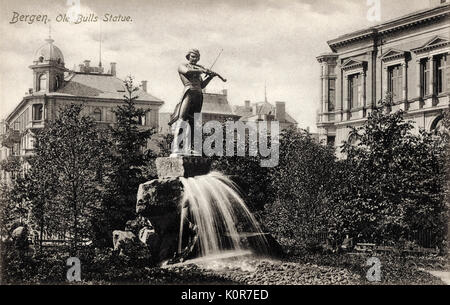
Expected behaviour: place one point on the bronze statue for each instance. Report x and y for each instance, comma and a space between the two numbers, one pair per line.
192, 98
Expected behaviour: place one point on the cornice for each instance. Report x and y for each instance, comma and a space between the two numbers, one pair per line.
394, 25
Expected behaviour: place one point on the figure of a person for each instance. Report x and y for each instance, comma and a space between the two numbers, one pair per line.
192, 98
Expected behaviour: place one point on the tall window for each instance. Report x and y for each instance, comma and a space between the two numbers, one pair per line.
354, 90
442, 74
141, 120
57, 82
43, 82
37, 112
331, 94
425, 79
395, 82
97, 115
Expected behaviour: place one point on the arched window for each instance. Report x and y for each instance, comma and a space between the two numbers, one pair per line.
97, 114
437, 125
57, 82
43, 82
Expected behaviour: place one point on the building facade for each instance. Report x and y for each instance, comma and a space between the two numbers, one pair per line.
405, 59
55, 86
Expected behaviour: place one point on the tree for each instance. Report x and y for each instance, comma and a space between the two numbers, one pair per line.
65, 183
394, 180
301, 185
128, 141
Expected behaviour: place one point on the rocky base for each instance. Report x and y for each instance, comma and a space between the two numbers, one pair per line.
157, 224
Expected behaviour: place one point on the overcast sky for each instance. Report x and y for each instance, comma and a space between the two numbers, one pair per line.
272, 41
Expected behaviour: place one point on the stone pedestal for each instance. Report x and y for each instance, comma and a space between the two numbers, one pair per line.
182, 166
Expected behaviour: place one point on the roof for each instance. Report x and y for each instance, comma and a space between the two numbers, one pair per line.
103, 86
262, 108
48, 52
216, 104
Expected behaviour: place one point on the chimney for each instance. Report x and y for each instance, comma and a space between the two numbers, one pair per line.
255, 109
144, 85
280, 111
247, 104
224, 92
113, 69
86, 63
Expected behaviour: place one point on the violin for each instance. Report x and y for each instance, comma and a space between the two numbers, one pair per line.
209, 72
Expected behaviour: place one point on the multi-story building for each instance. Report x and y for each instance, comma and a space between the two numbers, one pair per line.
55, 86
406, 59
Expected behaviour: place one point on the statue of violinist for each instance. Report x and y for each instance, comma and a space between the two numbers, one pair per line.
192, 97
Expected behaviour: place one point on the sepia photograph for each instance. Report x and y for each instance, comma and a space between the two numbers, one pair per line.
220, 149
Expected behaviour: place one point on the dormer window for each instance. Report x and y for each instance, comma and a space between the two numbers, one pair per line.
41, 58
43, 82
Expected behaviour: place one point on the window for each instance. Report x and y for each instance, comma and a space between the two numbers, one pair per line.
331, 140
43, 82
57, 82
141, 120
354, 91
442, 74
331, 94
425, 77
37, 112
395, 82
97, 115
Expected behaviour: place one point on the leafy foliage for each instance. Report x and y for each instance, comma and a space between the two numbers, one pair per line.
301, 183
64, 183
393, 185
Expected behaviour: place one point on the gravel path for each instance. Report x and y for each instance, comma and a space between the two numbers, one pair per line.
320, 270
269, 272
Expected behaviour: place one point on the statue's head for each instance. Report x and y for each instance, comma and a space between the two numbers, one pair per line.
193, 55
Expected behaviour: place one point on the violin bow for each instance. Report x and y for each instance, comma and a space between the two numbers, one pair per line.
216, 59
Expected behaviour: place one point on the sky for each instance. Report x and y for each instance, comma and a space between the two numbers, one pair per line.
272, 42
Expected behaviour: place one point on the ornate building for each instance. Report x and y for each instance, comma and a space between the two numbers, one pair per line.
55, 86
406, 58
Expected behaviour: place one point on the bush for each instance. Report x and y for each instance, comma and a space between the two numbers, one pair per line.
392, 182
301, 184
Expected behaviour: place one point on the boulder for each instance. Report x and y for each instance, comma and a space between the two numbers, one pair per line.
20, 237
159, 196
121, 239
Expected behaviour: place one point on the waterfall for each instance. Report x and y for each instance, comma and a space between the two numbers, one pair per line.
215, 207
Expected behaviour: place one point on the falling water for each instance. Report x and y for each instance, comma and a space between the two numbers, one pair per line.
215, 206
